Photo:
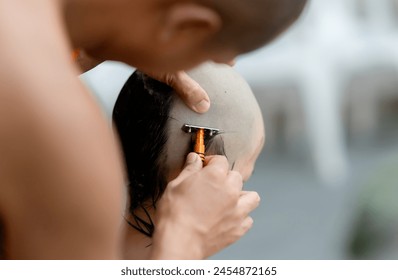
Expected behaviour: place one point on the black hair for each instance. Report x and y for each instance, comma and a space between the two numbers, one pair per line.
140, 117
254, 22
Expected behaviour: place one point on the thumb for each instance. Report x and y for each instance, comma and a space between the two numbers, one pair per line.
192, 165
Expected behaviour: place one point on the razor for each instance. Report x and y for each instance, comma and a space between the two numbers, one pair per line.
201, 133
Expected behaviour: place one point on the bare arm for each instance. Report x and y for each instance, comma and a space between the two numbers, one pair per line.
60, 173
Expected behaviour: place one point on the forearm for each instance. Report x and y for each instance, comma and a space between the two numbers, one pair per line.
60, 170
62, 183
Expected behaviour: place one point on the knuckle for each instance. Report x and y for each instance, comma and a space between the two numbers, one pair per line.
256, 198
217, 171
251, 201
172, 184
170, 80
245, 226
236, 183
256, 201
235, 176
180, 76
222, 159
232, 197
191, 169
219, 159
234, 192
248, 223
230, 204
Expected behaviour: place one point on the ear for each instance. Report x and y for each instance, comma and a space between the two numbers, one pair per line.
187, 24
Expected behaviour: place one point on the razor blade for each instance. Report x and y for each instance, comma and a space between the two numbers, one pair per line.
209, 131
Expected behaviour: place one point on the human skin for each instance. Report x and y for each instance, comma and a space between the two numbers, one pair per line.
144, 35
162, 37
236, 113
190, 92
57, 149
54, 143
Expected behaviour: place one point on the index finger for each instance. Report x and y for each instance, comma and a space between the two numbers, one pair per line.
194, 96
217, 161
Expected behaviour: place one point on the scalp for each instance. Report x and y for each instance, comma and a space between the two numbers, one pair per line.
234, 110
254, 22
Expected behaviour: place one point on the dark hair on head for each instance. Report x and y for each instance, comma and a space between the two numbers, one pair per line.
140, 117
254, 22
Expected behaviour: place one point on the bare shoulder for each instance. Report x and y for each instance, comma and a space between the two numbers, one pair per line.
60, 172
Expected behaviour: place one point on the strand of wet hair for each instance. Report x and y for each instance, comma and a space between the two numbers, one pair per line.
144, 227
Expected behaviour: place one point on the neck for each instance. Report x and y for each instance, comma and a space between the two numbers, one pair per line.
88, 23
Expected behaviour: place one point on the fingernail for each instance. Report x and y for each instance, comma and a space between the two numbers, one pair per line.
192, 157
202, 107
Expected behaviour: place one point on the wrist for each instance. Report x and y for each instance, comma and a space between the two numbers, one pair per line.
174, 240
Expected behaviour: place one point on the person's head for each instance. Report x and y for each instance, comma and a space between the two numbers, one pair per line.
169, 35
149, 118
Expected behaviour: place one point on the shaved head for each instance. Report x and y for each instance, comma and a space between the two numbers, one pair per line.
234, 111
171, 35
254, 22
149, 117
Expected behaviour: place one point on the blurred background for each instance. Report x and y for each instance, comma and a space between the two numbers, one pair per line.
328, 176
